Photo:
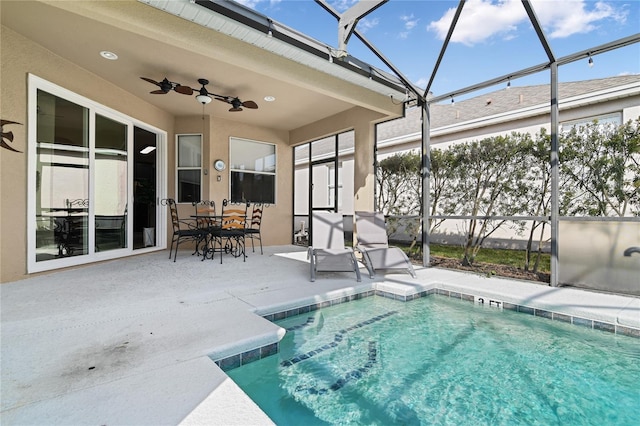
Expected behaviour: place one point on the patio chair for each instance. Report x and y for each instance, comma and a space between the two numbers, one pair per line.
230, 236
183, 230
327, 251
205, 214
253, 229
373, 244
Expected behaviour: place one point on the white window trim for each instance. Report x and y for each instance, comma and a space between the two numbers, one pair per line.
565, 126
189, 168
275, 169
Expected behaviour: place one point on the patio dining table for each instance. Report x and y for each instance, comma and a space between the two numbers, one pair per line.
211, 225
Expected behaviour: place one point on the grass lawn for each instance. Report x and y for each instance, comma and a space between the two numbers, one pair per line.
509, 258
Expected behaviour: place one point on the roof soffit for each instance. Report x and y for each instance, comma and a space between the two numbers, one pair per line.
156, 44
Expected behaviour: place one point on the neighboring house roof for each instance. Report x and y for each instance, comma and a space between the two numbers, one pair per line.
504, 103
496, 103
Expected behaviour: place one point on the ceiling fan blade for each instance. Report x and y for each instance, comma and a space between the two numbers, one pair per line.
150, 81
158, 92
185, 90
250, 104
234, 109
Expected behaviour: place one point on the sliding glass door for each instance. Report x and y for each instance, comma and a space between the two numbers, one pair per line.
145, 188
111, 184
90, 198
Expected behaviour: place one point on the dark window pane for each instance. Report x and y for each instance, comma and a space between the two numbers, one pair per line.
253, 187
188, 186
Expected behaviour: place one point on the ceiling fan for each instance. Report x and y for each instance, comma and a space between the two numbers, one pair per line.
166, 86
204, 97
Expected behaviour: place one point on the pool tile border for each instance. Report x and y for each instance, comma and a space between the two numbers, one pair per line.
555, 316
250, 356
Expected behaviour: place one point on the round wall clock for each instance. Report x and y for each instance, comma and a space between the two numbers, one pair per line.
219, 165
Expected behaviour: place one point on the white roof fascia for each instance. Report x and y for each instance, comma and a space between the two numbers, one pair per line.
187, 9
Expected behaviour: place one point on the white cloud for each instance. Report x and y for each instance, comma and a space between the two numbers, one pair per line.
482, 20
409, 21
254, 3
365, 24
565, 18
342, 5
421, 82
249, 3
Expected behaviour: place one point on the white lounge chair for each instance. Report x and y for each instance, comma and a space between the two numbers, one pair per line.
373, 243
328, 252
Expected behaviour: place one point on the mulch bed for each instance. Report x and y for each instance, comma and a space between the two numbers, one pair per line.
487, 269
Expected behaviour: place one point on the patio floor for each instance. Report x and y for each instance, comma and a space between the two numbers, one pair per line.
127, 341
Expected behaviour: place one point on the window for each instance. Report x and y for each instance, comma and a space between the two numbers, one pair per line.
614, 119
189, 168
253, 171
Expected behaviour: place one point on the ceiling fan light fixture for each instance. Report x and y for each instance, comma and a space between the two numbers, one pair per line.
203, 99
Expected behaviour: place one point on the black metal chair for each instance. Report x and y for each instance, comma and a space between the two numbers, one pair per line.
205, 214
208, 221
183, 230
253, 229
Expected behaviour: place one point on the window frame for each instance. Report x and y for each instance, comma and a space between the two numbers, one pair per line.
233, 169
34, 84
180, 168
566, 126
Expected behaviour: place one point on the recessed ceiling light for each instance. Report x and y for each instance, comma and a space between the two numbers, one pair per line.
269, 98
108, 55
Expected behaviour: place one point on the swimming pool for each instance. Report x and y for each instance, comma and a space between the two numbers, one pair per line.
437, 360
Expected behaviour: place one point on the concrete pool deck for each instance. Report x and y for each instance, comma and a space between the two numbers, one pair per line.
128, 341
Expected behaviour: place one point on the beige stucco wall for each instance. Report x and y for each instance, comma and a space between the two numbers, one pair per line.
21, 57
277, 219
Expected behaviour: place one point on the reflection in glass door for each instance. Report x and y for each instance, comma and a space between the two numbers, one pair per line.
110, 200
61, 178
144, 188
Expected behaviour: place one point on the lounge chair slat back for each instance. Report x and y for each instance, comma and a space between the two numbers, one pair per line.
373, 244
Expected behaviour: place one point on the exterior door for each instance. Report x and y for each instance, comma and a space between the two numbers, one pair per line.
94, 181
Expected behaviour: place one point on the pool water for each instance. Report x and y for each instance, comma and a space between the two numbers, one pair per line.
435, 360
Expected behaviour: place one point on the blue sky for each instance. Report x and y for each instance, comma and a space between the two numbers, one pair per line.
492, 38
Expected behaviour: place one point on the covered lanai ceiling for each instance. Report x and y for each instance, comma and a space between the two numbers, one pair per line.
184, 41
